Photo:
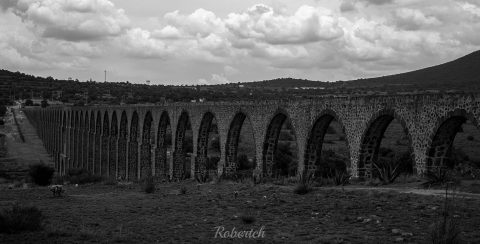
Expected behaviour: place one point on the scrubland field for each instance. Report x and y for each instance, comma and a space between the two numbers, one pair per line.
189, 213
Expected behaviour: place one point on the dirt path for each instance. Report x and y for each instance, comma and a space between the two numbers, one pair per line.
21, 154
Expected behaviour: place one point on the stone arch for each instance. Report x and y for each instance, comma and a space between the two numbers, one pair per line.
85, 140
372, 138
122, 146
271, 142
105, 144
233, 137
63, 143
161, 163
91, 143
133, 148
202, 145
179, 157
443, 136
98, 143
146, 148
314, 144
112, 152
80, 140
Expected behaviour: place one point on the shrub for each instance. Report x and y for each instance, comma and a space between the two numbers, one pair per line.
247, 219
81, 176
341, 178
470, 138
149, 185
304, 185
445, 231
387, 170
438, 177
183, 190
20, 218
41, 174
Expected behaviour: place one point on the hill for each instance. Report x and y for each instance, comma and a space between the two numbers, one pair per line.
462, 73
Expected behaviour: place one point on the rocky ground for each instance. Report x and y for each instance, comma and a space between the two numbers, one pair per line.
125, 214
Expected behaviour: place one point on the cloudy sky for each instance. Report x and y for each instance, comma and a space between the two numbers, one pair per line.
219, 41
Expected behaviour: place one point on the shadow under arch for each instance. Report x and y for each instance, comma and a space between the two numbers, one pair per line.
372, 138
146, 148
133, 148
98, 144
443, 136
180, 168
203, 165
315, 141
122, 147
164, 141
113, 149
105, 144
270, 167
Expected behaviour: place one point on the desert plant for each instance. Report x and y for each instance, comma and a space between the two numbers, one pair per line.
341, 178
446, 230
41, 174
19, 218
183, 190
304, 185
438, 177
387, 170
247, 219
149, 185
81, 176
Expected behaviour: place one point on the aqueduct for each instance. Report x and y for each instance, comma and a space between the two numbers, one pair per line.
130, 141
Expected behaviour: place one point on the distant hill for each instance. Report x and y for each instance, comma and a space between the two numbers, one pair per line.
462, 73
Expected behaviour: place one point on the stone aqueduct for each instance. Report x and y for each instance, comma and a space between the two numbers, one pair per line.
129, 141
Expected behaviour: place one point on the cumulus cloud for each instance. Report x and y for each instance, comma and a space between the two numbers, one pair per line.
361, 37
413, 19
71, 20
261, 22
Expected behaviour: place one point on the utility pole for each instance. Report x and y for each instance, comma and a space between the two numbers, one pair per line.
105, 75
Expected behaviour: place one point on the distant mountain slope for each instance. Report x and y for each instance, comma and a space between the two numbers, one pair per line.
459, 73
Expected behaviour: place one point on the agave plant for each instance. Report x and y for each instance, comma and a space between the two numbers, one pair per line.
387, 170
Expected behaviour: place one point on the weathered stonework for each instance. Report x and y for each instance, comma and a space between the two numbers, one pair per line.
133, 144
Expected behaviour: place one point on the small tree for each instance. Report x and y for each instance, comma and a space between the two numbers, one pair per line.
44, 104
29, 102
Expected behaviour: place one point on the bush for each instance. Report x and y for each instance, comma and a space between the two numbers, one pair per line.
149, 185
20, 218
183, 190
387, 170
445, 231
81, 176
304, 184
247, 219
438, 177
41, 174
470, 138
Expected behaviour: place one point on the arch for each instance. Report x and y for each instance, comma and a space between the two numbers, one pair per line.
80, 143
105, 144
161, 163
146, 148
179, 155
91, 142
372, 138
315, 140
85, 140
233, 137
122, 146
133, 148
445, 130
271, 143
98, 144
202, 145
112, 152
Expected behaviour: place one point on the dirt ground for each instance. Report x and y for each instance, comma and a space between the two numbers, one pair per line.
124, 214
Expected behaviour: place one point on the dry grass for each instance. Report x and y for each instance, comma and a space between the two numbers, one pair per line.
123, 214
